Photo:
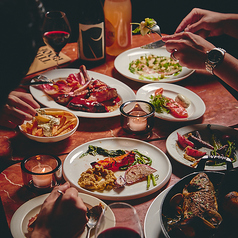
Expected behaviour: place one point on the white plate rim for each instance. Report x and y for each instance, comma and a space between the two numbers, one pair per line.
123, 90
112, 195
152, 226
20, 214
121, 63
171, 144
195, 110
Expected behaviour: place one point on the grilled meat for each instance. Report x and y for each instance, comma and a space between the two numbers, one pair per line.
199, 196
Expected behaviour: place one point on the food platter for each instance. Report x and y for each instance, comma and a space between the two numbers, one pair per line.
21, 217
177, 153
152, 227
74, 166
125, 92
195, 110
123, 60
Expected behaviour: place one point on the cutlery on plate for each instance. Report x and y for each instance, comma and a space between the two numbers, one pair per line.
93, 215
157, 44
39, 79
154, 45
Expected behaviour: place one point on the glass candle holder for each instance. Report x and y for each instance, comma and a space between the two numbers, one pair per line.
41, 172
137, 117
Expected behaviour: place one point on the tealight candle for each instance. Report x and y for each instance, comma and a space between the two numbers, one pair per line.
42, 180
138, 123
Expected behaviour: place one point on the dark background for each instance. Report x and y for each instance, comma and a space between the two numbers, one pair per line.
168, 14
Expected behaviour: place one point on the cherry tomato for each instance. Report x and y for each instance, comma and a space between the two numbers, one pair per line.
159, 91
184, 142
194, 153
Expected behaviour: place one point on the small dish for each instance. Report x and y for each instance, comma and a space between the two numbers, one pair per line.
177, 154
52, 138
196, 109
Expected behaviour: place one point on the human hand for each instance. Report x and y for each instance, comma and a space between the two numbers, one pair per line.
188, 48
20, 106
203, 22
61, 215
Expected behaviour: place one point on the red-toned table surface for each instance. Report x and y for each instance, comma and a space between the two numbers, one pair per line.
221, 108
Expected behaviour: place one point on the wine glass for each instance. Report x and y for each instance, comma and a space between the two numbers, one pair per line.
119, 220
56, 31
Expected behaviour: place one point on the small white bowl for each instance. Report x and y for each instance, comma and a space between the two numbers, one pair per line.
52, 138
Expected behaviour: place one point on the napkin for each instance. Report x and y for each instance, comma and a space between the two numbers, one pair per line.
45, 59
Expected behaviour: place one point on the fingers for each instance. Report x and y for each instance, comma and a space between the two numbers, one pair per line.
55, 194
23, 102
189, 19
28, 99
173, 55
15, 115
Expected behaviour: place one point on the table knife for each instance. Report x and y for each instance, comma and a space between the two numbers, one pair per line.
154, 45
35, 83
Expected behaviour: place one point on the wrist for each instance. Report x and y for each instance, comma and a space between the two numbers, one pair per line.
214, 58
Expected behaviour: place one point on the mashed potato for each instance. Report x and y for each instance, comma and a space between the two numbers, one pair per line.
97, 178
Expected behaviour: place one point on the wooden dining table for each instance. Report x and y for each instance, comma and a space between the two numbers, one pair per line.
221, 109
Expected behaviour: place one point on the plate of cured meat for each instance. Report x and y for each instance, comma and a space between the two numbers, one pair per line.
21, 223
182, 103
85, 93
119, 157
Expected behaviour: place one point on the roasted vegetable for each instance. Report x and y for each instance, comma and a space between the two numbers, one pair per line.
116, 163
96, 150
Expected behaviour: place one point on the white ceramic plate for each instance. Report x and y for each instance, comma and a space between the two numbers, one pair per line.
152, 227
29, 209
125, 92
123, 60
196, 109
74, 166
177, 153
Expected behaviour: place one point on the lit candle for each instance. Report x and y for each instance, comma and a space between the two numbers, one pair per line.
137, 123
42, 180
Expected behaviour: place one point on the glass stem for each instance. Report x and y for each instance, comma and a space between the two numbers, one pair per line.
57, 60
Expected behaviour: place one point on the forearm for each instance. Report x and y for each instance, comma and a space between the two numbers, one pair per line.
228, 71
230, 25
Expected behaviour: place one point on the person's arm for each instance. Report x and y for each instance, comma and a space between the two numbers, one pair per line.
61, 215
191, 51
208, 23
227, 71
20, 106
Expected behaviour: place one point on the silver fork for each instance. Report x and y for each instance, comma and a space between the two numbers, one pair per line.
155, 29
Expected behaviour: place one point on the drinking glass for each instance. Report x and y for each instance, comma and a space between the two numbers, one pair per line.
124, 223
56, 31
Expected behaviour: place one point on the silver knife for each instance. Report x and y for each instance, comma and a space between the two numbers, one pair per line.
35, 83
154, 45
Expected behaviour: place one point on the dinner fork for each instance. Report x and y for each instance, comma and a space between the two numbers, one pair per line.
155, 29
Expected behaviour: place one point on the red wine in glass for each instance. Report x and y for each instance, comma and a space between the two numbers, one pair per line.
56, 31
119, 232
56, 39
119, 220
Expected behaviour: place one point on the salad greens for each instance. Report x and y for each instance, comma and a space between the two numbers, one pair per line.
144, 25
159, 102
